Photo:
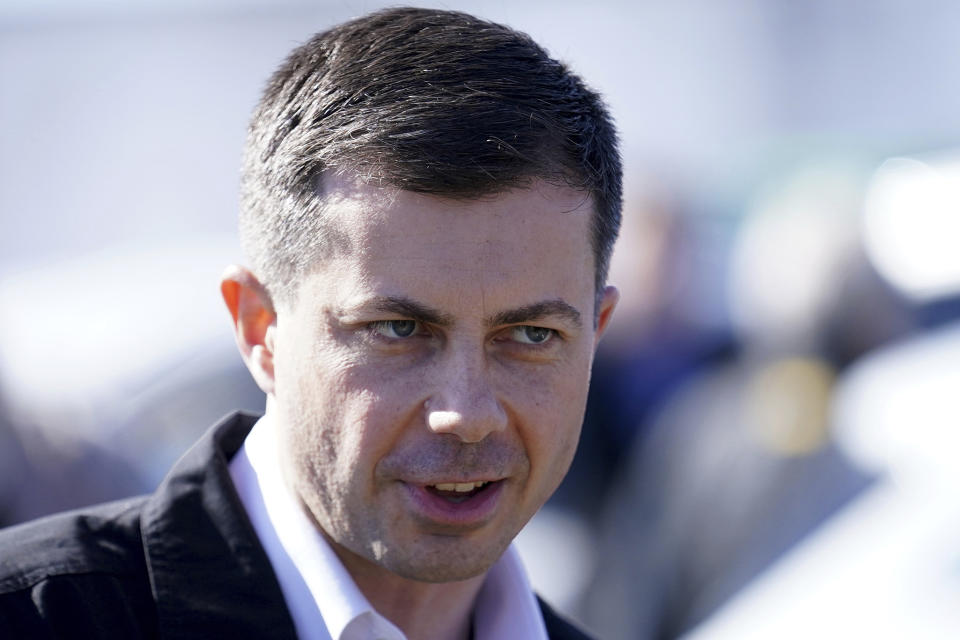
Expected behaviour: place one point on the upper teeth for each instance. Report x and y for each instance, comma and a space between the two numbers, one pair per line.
460, 487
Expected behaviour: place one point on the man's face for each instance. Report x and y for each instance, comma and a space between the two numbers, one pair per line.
431, 378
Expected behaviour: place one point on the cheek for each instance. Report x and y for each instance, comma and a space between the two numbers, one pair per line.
349, 414
311, 404
549, 407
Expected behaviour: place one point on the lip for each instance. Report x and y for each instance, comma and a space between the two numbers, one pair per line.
472, 513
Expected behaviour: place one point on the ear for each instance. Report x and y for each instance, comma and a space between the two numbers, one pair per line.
611, 295
254, 322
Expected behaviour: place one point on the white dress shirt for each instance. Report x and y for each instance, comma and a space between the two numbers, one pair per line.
324, 601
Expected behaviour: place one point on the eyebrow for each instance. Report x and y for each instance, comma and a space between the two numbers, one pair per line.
538, 311
414, 310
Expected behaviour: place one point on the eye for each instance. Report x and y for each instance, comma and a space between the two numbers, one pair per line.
528, 334
395, 329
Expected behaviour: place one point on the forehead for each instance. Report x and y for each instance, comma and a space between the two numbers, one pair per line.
532, 241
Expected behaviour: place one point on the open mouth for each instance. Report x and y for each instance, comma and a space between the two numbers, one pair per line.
456, 507
457, 492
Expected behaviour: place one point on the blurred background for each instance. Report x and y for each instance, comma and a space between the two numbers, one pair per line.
771, 438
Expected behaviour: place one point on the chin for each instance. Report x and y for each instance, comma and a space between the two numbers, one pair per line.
453, 563
442, 571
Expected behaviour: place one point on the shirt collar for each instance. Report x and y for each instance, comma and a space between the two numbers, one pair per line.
324, 601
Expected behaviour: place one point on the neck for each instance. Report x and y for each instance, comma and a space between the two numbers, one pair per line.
422, 610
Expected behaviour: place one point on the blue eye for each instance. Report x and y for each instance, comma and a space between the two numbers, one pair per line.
395, 329
528, 334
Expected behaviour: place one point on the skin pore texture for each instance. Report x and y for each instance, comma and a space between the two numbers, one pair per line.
447, 344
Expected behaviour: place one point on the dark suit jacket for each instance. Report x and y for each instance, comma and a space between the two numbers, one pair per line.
183, 562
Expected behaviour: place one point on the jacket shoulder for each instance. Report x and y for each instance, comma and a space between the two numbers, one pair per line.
101, 539
76, 574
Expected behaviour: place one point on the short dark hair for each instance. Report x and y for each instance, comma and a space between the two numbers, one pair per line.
429, 101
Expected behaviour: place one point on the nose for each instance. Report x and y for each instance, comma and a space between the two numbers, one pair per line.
465, 402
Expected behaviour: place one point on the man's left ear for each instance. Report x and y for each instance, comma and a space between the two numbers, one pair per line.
254, 322
605, 310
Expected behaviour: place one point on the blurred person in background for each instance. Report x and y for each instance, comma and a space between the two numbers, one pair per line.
13, 465
84, 472
740, 462
885, 564
429, 206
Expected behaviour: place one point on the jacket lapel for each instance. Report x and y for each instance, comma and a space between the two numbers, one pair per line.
209, 574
